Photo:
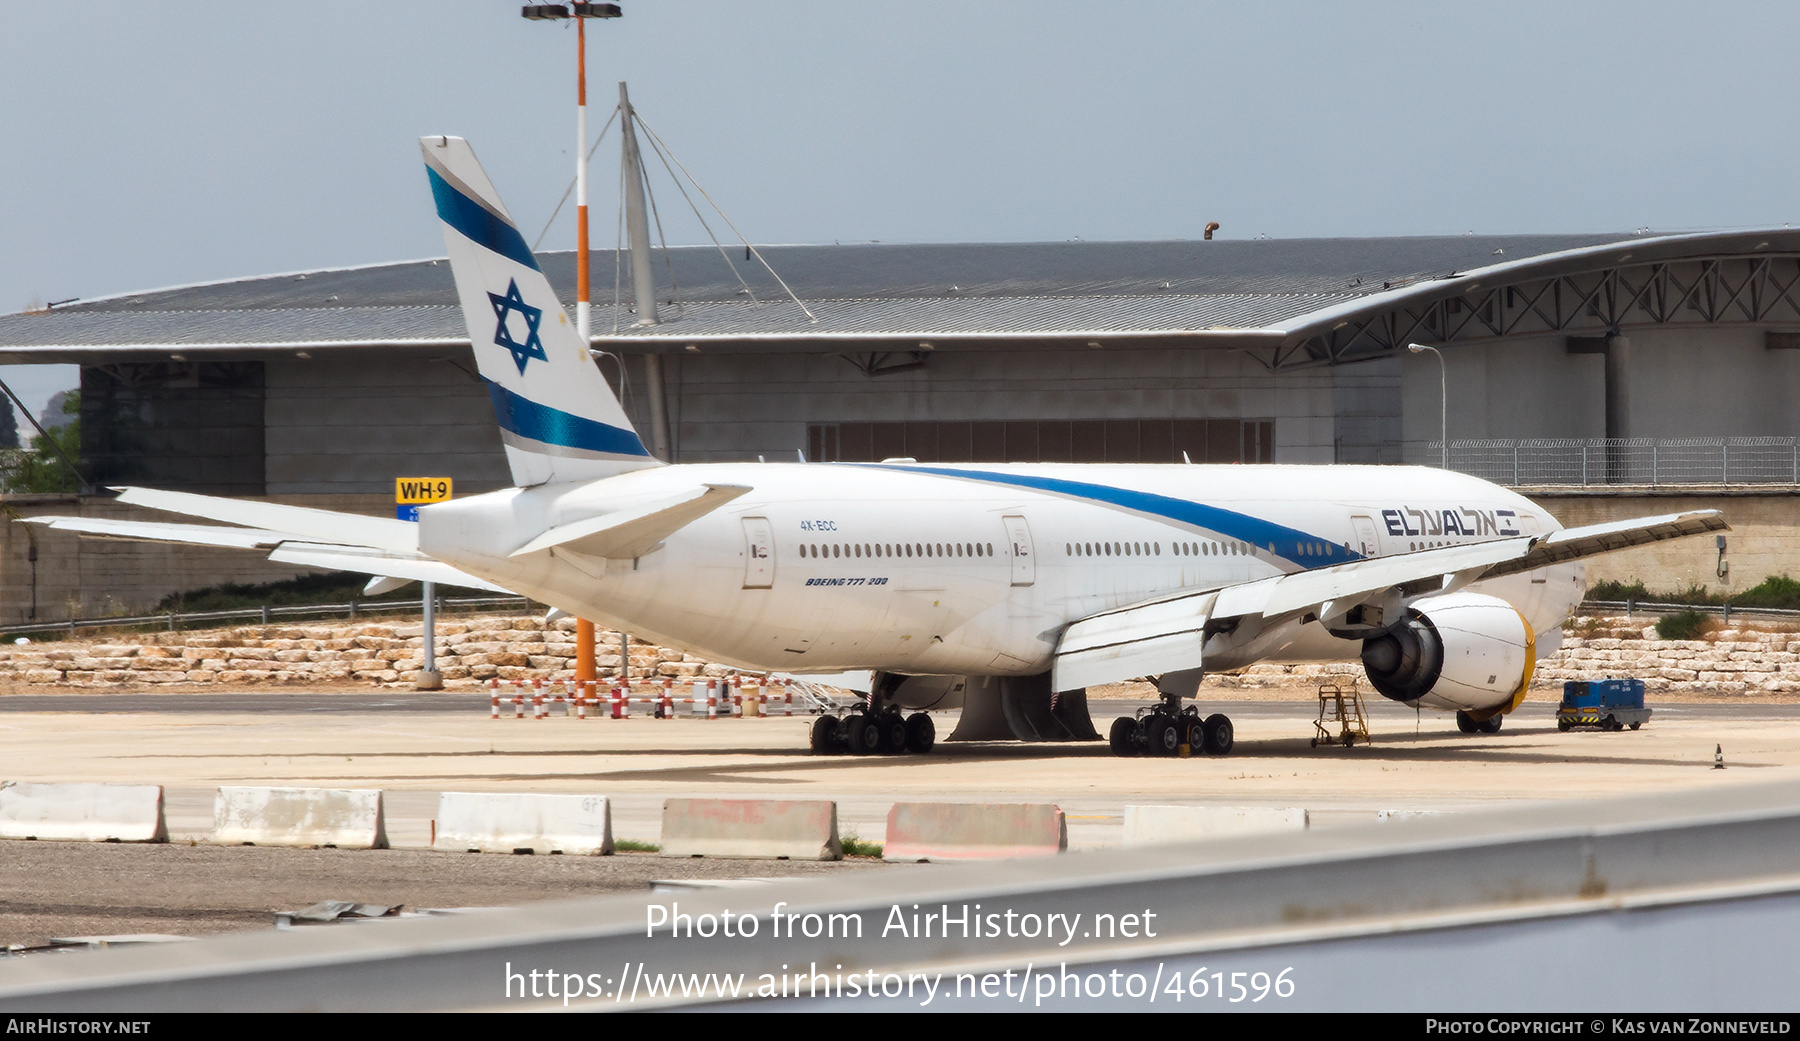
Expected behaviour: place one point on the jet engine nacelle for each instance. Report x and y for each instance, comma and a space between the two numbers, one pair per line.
1461, 651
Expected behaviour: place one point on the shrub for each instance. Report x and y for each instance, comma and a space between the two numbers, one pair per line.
1774, 591
1612, 590
330, 588
1684, 625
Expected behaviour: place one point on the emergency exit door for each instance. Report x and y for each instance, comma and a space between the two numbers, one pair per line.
759, 553
1024, 563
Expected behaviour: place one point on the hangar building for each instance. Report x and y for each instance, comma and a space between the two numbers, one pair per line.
1605, 375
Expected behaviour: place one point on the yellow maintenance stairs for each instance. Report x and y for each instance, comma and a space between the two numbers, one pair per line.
1341, 705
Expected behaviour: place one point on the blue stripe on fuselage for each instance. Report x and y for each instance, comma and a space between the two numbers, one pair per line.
1264, 534
552, 426
476, 224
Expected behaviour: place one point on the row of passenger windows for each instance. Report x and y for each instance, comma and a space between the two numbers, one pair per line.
917, 549
1073, 549
1154, 549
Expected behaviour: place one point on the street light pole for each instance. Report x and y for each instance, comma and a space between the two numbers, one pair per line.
585, 670
1443, 402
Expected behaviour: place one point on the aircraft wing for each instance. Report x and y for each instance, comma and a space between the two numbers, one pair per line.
1166, 634
297, 542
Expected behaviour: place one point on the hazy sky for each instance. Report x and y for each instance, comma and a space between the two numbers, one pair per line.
158, 143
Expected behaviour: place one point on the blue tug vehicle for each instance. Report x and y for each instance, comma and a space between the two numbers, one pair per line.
1602, 704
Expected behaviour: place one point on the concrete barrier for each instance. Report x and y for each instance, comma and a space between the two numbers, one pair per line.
782, 829
1158, 825
500, 822
347, 818
973, 830
82, 812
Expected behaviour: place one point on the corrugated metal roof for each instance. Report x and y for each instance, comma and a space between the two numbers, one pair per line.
288, 325
956, 316
897, 271
872, 290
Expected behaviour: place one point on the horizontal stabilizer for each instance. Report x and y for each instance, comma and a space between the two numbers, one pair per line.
404, 565
1145, 640
373, 562
318, 525
177, 534
635, 531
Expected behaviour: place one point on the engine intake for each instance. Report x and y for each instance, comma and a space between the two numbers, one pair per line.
1462, 651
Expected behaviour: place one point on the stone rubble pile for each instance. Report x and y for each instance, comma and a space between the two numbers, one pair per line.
1728, 661
470, 651
473, 650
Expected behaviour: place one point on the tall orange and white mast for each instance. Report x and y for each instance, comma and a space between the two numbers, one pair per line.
585, 670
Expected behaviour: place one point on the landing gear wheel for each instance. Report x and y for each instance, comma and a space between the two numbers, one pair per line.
1163, 734
860, 734
1195, 732
1466, 723
1491, 725
921, 733
893, 735
1122, 736
824, 735
1219, 735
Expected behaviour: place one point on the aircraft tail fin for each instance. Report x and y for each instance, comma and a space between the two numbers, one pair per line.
558, 417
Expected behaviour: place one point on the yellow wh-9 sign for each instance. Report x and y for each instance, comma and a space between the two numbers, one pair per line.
420, 490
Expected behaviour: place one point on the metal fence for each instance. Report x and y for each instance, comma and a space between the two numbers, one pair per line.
1621, 460
1633, 608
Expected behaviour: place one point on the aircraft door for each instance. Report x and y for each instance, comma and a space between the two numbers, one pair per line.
759, 553
1367, 543
1024, 565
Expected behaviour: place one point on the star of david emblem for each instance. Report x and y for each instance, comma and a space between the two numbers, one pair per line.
503, 337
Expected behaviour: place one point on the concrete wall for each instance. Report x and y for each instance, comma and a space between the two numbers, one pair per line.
1366, 408
349, 423
1764, 538
735, 407
84, 578
1699, 382
1527, 387
1712, 383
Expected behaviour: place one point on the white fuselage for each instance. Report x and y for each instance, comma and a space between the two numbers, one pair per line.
974, 569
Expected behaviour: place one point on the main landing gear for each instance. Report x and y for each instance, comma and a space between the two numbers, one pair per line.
883, 732
1162, 730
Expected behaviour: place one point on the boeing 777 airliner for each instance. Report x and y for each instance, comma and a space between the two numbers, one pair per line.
1002, 589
